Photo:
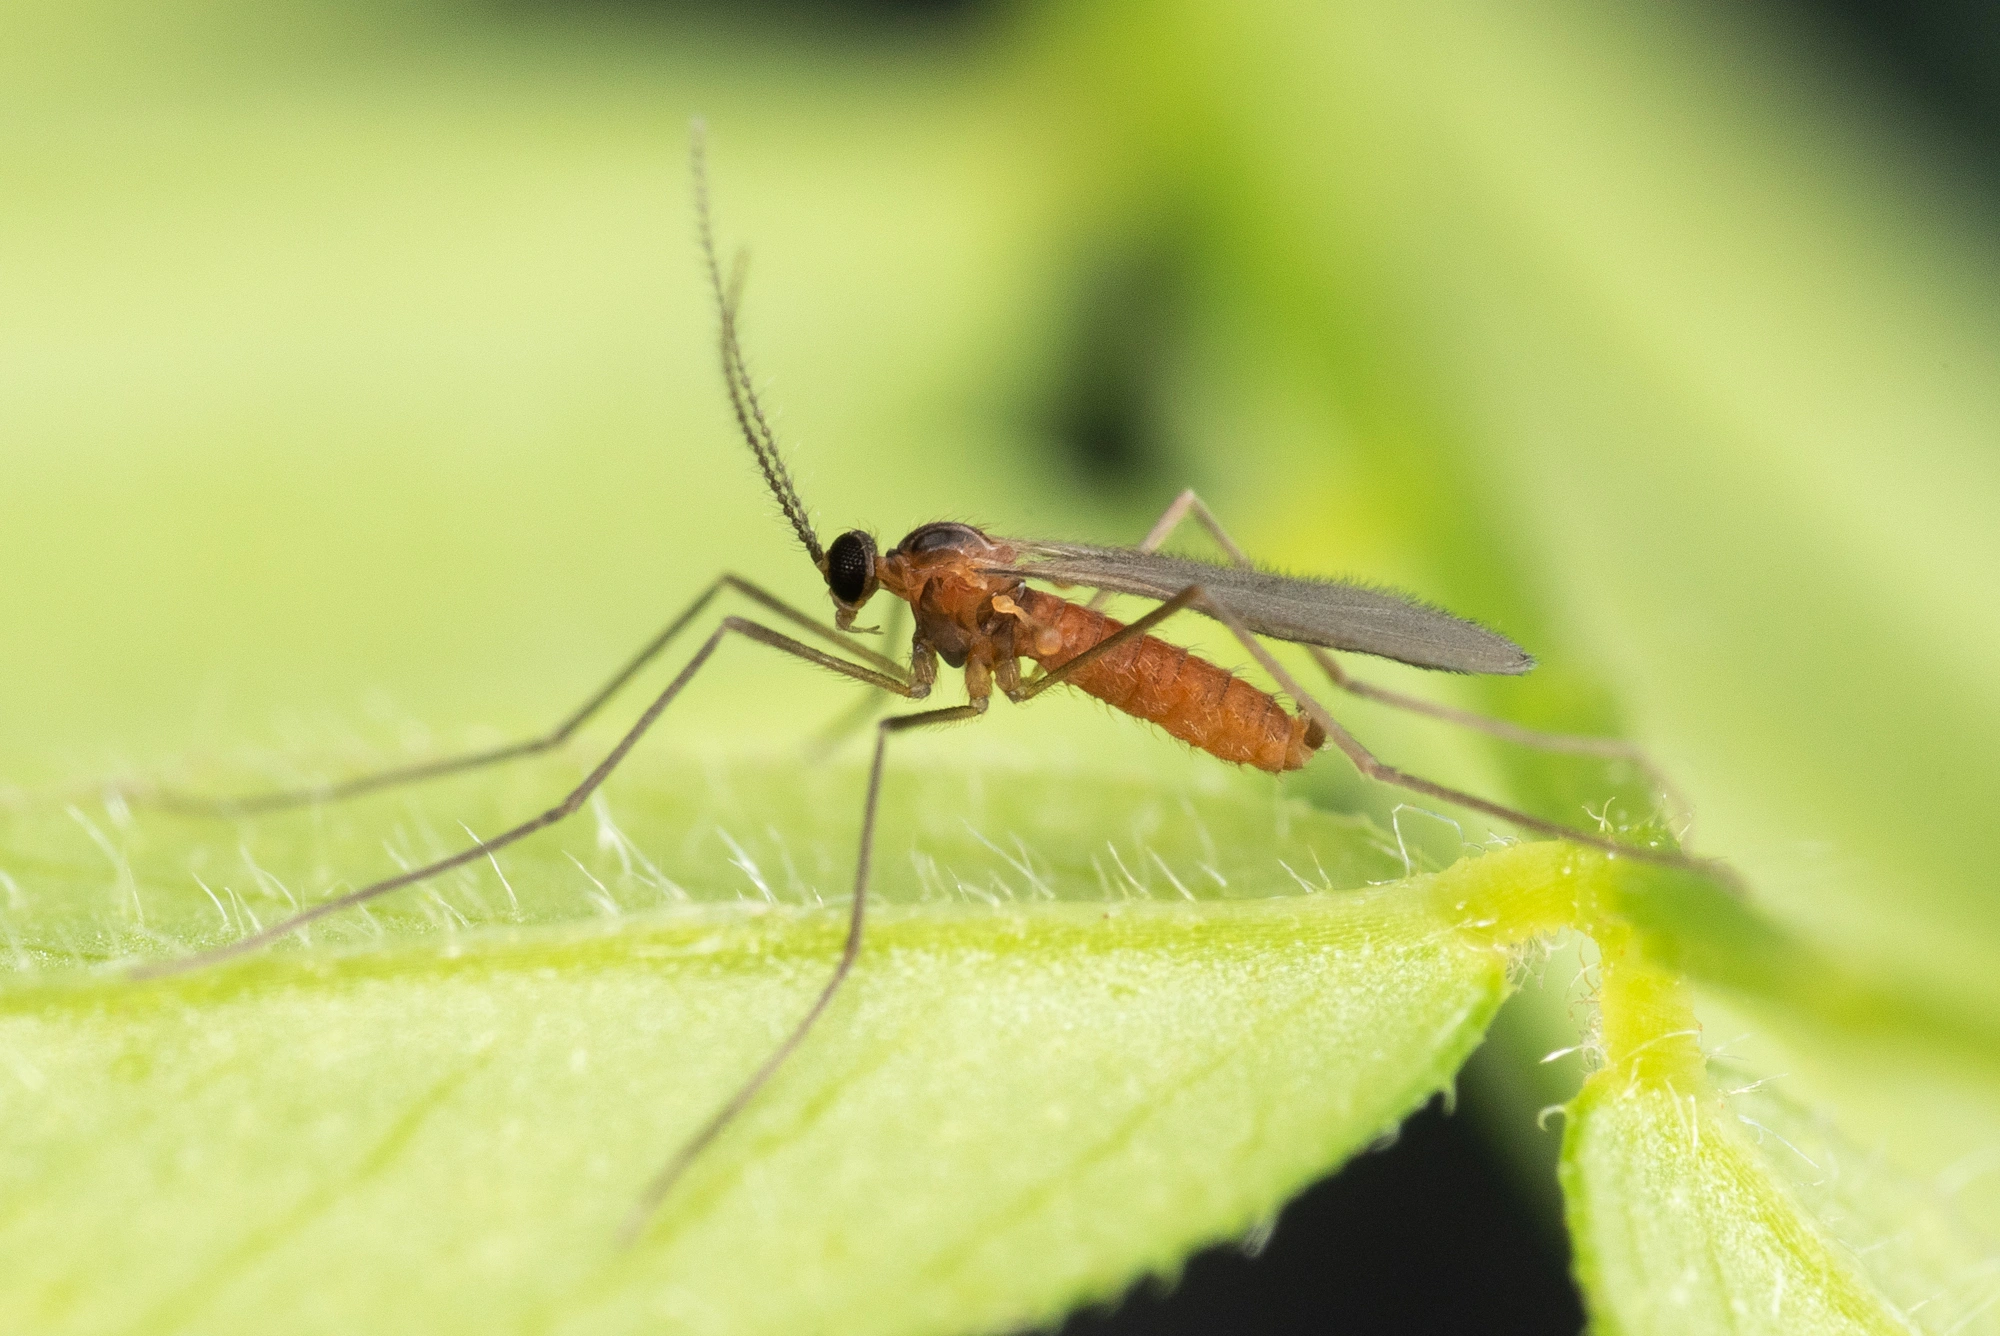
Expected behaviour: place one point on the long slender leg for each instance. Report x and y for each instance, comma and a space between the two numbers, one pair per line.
1194, 596
1368, 764
866, 706
1026, 692
670, 1174
575, 799
1610, 749
270, 802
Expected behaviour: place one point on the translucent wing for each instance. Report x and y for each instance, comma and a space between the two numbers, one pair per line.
1310, 612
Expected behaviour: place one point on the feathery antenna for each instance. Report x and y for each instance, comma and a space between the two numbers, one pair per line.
735, 372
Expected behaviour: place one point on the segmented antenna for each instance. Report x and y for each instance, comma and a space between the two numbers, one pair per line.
735, 372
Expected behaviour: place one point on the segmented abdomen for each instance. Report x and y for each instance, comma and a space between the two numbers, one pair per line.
1199, 703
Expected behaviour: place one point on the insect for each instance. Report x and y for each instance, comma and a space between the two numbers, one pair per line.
977, 608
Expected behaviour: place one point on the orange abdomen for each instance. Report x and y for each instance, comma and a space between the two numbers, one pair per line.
1191, 698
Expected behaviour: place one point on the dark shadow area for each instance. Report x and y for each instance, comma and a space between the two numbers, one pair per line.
1941, 55
1101, 409
1426, 1236
890, 19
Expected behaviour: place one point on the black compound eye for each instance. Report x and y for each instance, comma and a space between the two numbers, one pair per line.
850, 567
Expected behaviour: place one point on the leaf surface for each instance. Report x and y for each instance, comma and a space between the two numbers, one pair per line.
1691, 1211
1014, 1107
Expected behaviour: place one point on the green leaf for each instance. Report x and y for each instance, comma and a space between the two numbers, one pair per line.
1679, 1220
1679, 1225
1019, 1103
378, 365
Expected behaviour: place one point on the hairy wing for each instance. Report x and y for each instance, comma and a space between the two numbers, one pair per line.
1310, 612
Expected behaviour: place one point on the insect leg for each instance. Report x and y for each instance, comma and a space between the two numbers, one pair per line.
1364, 760
575, 799
1575, 744
859, 715
1187, 503
1023, 692
1368, 764
663, 1182
408, 774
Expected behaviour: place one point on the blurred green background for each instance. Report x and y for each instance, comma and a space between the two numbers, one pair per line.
357, 393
